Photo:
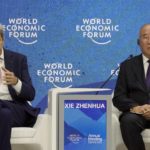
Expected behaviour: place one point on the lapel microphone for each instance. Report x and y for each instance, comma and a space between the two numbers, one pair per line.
107, 80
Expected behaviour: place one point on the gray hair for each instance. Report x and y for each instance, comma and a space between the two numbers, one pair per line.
2, 32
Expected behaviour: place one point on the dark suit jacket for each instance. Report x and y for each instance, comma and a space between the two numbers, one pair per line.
17, 63
130, 88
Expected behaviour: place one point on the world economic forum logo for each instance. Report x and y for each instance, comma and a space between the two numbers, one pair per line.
25, 30
99, 30
60, 75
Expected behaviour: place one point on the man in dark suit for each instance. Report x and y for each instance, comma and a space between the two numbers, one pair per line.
15, 90
132, 94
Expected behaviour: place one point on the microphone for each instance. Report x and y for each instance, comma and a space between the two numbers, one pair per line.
107, 80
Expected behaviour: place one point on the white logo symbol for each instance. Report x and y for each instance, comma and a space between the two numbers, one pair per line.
58, 74
24, 30
98, 30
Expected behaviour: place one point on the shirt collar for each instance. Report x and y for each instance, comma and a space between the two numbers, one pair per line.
145, 59
2, 55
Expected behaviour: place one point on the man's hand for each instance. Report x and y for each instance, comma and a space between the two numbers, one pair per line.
144, 110
146, 113
137, 110
9, 77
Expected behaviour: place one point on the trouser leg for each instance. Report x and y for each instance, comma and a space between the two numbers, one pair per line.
131, 127
11, 115
5, 129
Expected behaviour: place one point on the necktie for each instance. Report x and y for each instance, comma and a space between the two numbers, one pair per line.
148, 76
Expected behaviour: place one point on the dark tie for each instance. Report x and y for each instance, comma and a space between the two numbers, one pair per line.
148, 76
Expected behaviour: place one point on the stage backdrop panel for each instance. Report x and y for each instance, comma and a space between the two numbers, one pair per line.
72, 43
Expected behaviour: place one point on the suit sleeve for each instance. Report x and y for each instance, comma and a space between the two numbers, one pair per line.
27, 92
121, 98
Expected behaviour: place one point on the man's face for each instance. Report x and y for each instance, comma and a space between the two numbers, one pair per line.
1, 43
144, 40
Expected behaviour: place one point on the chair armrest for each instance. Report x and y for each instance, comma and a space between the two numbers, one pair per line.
42, 119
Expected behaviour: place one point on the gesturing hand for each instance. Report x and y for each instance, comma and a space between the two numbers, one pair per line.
9, 77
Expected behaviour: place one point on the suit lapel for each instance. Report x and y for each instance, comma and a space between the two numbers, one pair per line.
138, 69
8, 60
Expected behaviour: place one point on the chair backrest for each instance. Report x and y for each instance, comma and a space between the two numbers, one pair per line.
114, 109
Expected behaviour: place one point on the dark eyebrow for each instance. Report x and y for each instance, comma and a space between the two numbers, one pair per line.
145, 34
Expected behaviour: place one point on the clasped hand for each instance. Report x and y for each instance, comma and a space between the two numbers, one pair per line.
143, 110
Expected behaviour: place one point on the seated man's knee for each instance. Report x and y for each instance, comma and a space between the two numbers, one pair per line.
129, 118
5, 114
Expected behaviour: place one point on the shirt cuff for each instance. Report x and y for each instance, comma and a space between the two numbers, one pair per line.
18, 86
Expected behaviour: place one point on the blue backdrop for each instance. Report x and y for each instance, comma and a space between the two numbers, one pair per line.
72, 43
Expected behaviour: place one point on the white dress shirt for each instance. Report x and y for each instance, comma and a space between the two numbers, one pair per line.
145, 64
